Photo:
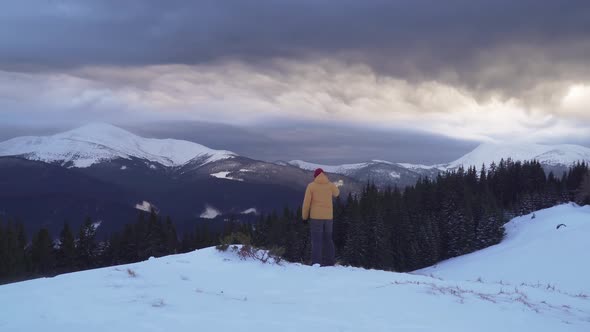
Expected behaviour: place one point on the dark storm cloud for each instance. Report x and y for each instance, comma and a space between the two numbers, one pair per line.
315, 143
311, 142
415, 39
304, 141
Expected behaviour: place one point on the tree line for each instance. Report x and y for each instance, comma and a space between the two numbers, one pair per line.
70, 250
456, 213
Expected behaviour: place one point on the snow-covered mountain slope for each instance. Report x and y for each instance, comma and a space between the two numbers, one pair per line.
382, 173
209, 290
534, 252
95, 143
556, 158
550, 155
345, 169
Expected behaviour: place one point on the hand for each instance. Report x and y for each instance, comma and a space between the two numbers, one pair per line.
339, 183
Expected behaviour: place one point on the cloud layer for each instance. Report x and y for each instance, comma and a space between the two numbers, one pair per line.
326, 91
480, 70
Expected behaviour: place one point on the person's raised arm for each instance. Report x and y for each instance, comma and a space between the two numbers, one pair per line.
335, 190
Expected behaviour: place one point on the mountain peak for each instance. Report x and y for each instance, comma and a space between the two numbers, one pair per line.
97, 142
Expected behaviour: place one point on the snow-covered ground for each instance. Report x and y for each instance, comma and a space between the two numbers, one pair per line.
210, 213
534, 252
207, 290
146, 206
250, 211
225, 175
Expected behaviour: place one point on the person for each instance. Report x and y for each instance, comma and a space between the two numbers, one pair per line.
318, 211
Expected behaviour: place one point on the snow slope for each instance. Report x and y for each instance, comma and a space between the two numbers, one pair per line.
225, 175
99, 142
207, 290
533, 252
553, 155
210, 213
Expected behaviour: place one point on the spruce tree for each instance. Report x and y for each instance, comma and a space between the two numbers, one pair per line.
86, 248
42, 253
583, 192
171, 237
66, 253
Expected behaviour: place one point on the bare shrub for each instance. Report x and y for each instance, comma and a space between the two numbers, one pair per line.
248, 251
233, 239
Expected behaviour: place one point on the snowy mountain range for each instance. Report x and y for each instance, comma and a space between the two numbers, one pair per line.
552, 157
549, 155
535, 280
382, 173
107, 173
99, 142
103, 171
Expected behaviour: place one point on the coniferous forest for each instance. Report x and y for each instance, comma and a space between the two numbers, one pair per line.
393, 229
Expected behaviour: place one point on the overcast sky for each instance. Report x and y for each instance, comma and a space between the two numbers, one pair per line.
327, 81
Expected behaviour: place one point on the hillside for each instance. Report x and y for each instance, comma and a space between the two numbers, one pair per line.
208, 290
538, 252
102, 171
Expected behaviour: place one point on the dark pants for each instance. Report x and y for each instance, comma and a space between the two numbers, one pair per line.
322, 246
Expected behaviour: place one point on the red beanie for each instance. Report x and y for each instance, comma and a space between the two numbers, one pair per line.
317, 172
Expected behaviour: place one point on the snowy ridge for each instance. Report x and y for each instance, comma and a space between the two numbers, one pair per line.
95, 143
552, 155
347, 169
419, 166
338, 169
549, 155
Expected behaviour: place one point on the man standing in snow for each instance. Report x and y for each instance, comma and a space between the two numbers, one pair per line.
317, 205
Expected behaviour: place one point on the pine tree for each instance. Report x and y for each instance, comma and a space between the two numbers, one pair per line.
66, 253
42, 253
171, 237
15, 262
583, 192
128, 251
3, 252
355, 248
86, 248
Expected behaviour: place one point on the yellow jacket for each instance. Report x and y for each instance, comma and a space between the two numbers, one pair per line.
317, 203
